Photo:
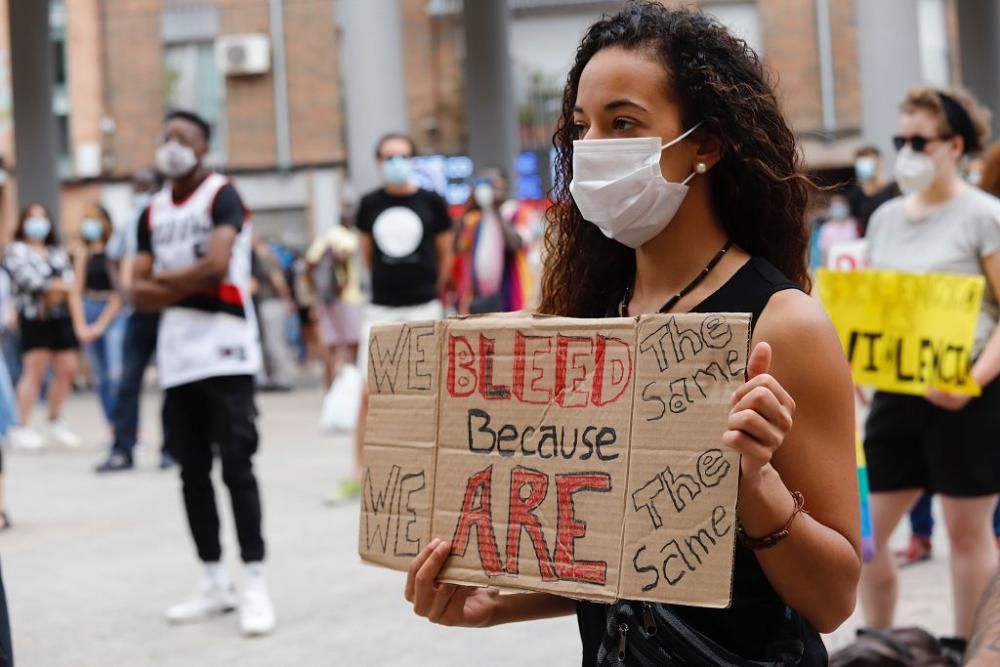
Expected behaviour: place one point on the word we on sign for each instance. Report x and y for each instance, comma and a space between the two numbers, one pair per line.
905, 333
577, 457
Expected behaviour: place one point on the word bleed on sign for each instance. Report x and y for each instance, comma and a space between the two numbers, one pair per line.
905, 333
536, 443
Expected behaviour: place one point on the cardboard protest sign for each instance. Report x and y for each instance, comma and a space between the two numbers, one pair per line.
400, 442
902, 332
680, 512
578, 457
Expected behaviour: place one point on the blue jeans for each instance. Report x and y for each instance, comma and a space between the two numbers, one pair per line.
140, 346
105, 356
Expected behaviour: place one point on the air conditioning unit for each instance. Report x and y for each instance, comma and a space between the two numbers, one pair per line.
239, 55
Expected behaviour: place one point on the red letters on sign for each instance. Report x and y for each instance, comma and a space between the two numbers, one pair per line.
527, 368
585, 370
522, 515
570, 528
528, 490
490, 391
613, 354
572, 354
461, 367
480, 515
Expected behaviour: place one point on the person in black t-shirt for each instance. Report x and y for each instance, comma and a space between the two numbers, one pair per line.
406, 241
871, 189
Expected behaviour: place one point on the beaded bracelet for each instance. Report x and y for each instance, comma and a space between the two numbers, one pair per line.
768, 541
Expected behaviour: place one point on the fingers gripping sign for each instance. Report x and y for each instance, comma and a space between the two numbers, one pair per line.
761, 414
446, 604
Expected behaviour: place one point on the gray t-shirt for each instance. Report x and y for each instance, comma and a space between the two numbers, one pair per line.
953, 239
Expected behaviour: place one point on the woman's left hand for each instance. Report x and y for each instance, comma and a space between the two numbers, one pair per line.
761, 414
947, 400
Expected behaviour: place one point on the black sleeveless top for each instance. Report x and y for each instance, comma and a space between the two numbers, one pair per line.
98, 279
759, 625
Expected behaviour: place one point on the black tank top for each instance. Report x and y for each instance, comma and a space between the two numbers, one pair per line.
98, 279
759, 625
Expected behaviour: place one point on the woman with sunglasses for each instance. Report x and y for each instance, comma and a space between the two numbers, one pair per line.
942, 443
678, 190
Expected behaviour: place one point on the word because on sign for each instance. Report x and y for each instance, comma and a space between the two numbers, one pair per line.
577, 457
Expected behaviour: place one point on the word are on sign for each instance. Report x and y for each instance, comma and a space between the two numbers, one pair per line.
577, 457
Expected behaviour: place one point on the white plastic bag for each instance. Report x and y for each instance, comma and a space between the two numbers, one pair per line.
339, 413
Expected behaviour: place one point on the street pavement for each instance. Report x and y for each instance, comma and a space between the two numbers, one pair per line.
92, 562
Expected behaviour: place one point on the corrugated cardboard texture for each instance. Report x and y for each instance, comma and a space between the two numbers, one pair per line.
578, 457
533, 452
680, 511
400, 441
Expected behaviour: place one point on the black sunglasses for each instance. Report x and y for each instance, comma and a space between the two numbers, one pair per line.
917, 142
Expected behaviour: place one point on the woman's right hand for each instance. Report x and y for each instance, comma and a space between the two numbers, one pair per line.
447, 604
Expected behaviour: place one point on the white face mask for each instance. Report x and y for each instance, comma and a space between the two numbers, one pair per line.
174, 160
914, 171
618, 186
483, 195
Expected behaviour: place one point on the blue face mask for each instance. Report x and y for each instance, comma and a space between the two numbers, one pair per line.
92, 229
37, 228
397, 170
839, 211
865, 168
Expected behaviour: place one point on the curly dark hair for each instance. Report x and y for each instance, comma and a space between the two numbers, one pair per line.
758, 192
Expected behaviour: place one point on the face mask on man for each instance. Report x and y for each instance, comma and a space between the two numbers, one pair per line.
92, 229
865, 168
914, 171
174, 159
37, 227
397, 170
618, 186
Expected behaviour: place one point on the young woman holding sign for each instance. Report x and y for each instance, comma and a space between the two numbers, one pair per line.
679, 191
942, 443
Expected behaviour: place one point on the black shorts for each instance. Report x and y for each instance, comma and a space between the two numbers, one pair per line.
54, 334
911, 444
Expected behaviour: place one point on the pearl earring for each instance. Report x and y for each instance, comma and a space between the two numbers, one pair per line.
701, 167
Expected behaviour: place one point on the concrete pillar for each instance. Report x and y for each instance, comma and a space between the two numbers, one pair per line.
374, 91
979, 44
889, 60
490, 116
32, 78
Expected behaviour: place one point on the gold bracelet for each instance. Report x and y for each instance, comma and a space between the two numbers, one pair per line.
768, 541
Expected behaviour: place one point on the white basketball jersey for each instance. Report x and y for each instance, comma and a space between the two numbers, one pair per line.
212, 333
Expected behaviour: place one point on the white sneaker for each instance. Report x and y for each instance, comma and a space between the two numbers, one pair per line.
60, 435
207, 601
257, 613
25, 437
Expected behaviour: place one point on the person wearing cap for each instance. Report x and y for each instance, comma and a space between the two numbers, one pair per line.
942, 443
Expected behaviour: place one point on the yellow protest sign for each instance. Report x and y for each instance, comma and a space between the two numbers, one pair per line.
904, 332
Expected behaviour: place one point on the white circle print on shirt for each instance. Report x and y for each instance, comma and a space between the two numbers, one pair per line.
398, 232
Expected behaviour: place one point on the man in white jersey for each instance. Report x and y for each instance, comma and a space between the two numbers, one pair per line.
193, 265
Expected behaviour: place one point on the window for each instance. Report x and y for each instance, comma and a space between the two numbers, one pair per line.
60, 89
741, 17
193, 82
933, 31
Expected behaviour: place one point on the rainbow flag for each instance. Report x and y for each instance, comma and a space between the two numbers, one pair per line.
867, 530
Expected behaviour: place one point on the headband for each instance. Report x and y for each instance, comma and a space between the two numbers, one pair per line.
959, 121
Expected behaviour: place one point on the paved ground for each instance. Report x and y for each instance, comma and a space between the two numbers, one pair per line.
93, 561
